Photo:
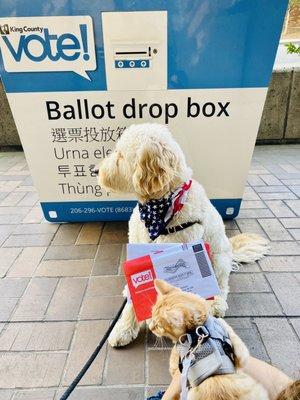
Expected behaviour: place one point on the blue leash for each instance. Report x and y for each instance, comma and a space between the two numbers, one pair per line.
158, 396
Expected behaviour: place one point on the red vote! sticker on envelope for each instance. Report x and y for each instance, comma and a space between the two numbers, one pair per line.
140, 275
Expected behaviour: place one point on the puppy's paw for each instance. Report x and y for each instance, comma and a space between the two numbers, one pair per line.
121, 336
219, 306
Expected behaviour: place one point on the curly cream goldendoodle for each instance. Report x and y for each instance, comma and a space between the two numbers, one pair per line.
172, 207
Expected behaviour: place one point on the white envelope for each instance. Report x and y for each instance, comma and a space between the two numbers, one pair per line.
186, 266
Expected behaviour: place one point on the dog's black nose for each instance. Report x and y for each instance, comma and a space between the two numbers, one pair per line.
96, 170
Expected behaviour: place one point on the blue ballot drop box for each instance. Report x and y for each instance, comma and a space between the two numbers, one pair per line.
78, 73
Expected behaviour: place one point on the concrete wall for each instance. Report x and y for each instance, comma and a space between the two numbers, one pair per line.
280, 122
8, 131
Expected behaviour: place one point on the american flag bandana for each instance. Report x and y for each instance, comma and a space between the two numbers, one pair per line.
157, 213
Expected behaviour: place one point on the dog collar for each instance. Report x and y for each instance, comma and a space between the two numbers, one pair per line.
158, 213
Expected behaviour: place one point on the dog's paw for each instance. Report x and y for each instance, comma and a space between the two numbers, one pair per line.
219, 306
120, 336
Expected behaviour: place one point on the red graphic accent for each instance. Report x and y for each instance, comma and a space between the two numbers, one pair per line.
207, 247
140, 277
180, 198
208, 250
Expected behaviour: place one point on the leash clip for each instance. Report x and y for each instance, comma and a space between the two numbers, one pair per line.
202, 333
185, 336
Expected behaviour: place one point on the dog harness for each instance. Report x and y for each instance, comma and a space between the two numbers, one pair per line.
204, 352
158, 213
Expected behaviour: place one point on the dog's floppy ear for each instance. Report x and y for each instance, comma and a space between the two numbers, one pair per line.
155, 169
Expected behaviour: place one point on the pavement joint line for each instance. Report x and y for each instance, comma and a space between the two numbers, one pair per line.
261, 339
120, 265
83, 387
295, 215
84, 293
102, 319
279, 272
281, 306
17, 303
95, 258
50, 300
293, 329
62, 376
133, 385
34, 352
105, 362
14, 260
81, 228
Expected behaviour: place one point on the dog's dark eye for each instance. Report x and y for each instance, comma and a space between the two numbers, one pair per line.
118, 154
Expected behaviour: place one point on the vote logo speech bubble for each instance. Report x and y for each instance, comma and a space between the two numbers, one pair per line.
46, 44
141, 278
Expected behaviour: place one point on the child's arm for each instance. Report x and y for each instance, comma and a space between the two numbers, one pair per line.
267, 375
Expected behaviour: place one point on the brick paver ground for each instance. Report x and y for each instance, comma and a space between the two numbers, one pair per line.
61, 284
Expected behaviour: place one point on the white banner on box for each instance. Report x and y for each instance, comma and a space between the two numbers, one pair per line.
65, 134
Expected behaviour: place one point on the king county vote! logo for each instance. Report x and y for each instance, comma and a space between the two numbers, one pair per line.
45, 44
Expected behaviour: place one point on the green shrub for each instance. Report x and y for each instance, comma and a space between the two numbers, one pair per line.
292, 49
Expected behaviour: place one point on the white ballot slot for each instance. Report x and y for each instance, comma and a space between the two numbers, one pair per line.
135, 50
